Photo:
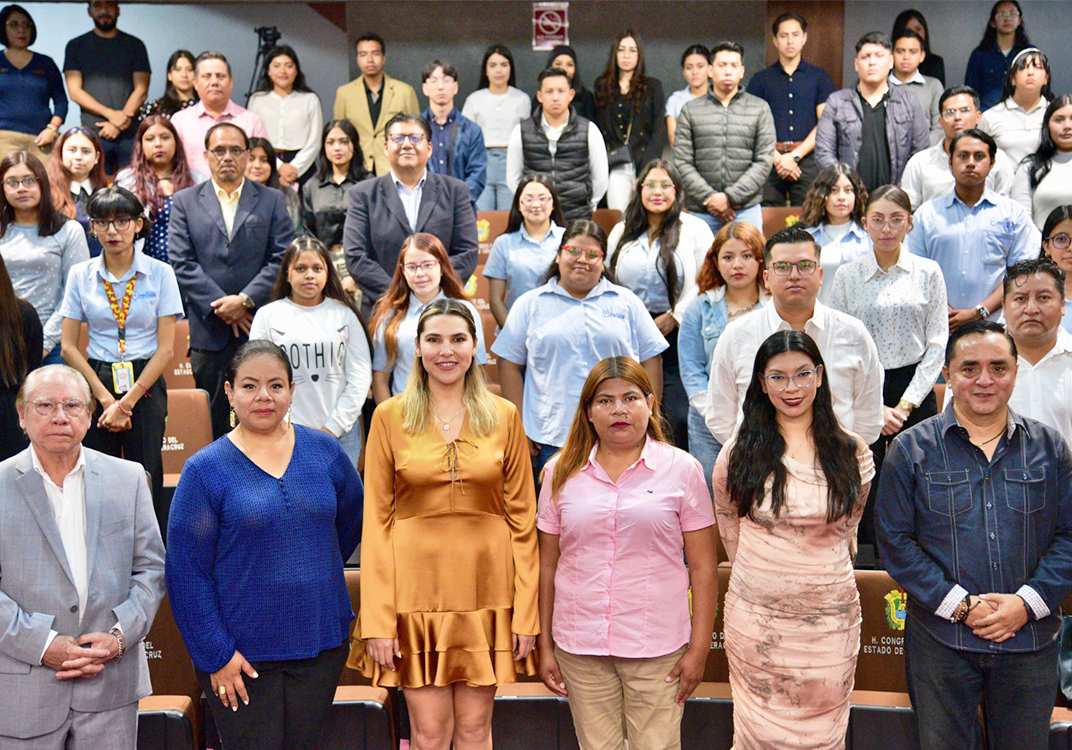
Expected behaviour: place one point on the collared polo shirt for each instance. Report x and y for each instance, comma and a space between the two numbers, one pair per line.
794, 98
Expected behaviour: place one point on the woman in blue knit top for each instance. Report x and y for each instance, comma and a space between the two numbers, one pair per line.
261, 523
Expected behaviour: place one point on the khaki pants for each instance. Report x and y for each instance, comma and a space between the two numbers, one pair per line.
612, 698
12, 141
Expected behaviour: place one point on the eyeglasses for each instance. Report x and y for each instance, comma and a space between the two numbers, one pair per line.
576, 252
803, 379
428, 266
221, 151
14, 182
528, 200
896, 223
101, 225
949, 114
1060, 241
414, 138
1003, 15
445, 80
784, 268
667, 185
46, 407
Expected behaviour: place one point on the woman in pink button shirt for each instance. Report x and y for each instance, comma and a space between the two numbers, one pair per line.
620, 507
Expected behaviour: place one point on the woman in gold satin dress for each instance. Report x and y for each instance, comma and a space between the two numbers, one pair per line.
449, 566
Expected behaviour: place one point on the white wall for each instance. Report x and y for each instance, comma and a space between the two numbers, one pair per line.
227, 27
957, 26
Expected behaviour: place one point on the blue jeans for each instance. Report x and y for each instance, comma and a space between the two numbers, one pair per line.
542, 456
496, 196
752, 215
702, 444
54, 357
946, 686
351, 443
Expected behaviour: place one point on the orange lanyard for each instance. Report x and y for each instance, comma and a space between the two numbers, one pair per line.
119, 311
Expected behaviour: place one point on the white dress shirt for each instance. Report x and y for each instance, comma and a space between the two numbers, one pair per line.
1015, 130
294, 123
1044, 391
853, 369
598, 170
928, 176
904, 309
411, 199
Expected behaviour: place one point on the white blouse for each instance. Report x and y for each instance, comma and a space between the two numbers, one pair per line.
905, 311
293, 123
497, 114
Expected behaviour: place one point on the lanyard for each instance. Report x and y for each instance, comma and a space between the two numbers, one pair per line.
120, 311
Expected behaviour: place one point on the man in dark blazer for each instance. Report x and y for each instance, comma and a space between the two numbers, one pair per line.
83, 576
408, 199
225, 241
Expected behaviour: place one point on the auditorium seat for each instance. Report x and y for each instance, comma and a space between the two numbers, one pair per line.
528, 716
167, 722
178, 374
1061, 729
881, 721
708, 720
607, 218
717, 670
360, 719
177, 698
778, 218
188, 430
881, 666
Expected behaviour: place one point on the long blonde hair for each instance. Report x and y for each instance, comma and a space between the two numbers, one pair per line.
582, 435
478, 400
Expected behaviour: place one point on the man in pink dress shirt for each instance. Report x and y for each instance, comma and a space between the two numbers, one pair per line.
213, 83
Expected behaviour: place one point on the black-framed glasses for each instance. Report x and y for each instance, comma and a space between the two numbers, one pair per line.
46, 407
414, 138
221, 151
1060, 241
803, 379
101, 225
14, 182
784, 267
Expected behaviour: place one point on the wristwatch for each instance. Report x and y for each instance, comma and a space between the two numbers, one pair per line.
905, 406
247, 302
983, 312
796, 156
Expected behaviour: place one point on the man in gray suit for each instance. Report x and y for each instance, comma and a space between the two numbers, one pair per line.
225, 242
81, 578
410, 198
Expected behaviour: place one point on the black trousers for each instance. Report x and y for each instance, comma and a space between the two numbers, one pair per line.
777, 191
892, 390
143, 441
288, 703
210, 372
675, 402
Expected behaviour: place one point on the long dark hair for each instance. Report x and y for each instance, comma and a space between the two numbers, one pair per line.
14, 359
607, 84
269, 151
357, 171
901, 23
1022, 60
497, 49
516, 219
172, 100
264, 83
146, 184
759, 451
579, 228
49, 218
1057, 215
635, 220
813, 213
332, 290
990, 36
1040, 162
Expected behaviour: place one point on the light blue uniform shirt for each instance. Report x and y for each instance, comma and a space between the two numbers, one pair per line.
407, 336
156, 295
521, 261
559, 339
973, 245
854, 244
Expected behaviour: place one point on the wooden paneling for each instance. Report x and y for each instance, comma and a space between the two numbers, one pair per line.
826, 32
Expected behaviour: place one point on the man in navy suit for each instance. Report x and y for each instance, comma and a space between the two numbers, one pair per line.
225, 241
408, 199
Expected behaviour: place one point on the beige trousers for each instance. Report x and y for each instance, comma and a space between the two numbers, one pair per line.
13, 141
613, 698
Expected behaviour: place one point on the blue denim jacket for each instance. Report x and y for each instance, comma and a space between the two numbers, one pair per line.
705, 319
951, 523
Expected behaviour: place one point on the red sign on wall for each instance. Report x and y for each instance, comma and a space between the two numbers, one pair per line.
550, 25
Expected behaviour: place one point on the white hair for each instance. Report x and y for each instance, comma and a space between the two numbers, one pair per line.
43, 373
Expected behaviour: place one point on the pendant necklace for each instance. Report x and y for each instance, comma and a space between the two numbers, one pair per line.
446, 422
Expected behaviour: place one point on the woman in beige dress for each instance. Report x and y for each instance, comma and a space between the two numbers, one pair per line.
790, 488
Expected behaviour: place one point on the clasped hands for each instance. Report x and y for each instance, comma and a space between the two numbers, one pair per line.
996, 617
232, 311
719, 205
81, 658
114, 123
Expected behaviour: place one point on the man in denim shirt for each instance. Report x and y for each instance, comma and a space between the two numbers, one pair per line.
974, 520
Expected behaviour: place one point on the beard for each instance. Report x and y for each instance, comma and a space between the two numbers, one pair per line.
106, 24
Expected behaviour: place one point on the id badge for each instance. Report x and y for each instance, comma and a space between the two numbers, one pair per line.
122, 376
